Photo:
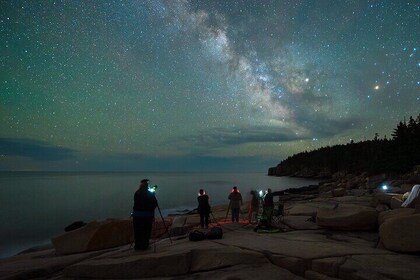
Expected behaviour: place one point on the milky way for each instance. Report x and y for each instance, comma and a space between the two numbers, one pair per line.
199, 85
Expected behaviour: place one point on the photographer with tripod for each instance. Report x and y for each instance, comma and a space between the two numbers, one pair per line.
143, 215
203, 208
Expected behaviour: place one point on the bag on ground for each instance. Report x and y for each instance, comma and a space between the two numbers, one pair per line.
215, 233
196, 235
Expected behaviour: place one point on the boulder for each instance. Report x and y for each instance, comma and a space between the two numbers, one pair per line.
384, 198
382, 207
401, 234
95, 236
396, 213
75, 225
348, 217
338, 192
353, 184
358, 192
395, 202
374, 181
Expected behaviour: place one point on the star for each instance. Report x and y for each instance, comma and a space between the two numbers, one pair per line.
177, 79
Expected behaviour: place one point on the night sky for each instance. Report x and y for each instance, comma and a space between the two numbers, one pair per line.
199, 85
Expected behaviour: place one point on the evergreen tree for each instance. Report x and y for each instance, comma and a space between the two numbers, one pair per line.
400, 132
395, 155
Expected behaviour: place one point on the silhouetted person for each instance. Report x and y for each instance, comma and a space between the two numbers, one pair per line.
254, 205
268, 206
143, 214
235, 203
203, 208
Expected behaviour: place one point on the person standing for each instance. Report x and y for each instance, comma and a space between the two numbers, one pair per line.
268, 206
143, 214
254, 205
235, 198
203, 208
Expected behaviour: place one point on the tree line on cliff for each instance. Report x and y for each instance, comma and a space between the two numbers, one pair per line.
396, 155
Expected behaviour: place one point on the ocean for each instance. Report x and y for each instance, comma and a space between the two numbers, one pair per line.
38, 205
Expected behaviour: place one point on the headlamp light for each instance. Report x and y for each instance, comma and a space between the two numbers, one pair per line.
262, 193
152, 189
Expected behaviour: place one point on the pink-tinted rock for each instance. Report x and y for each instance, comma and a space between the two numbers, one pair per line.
401, 234
396, 213
348, 217
395, 202
95, 236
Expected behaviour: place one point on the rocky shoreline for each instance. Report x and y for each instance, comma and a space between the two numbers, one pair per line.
343, 228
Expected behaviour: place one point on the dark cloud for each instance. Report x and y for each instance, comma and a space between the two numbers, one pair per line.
323, 126
34, 149
220, 137
193, 162
328, 127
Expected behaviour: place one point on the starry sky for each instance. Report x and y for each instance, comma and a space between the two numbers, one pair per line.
198, 85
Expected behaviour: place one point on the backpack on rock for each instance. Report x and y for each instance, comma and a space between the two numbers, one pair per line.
196, 235
215, 233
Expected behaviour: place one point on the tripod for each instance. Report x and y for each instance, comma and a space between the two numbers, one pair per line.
227, 212
214, 219
166, 228
164, 224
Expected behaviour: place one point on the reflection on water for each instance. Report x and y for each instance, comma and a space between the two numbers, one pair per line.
36, 206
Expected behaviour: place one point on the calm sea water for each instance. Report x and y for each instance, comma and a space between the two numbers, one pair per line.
38, 205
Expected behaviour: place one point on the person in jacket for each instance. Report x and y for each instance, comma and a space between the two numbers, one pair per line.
254, 205
235, 198
143, 214
203, 208
268, 206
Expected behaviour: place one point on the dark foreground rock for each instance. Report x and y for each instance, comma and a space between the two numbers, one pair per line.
241, 254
